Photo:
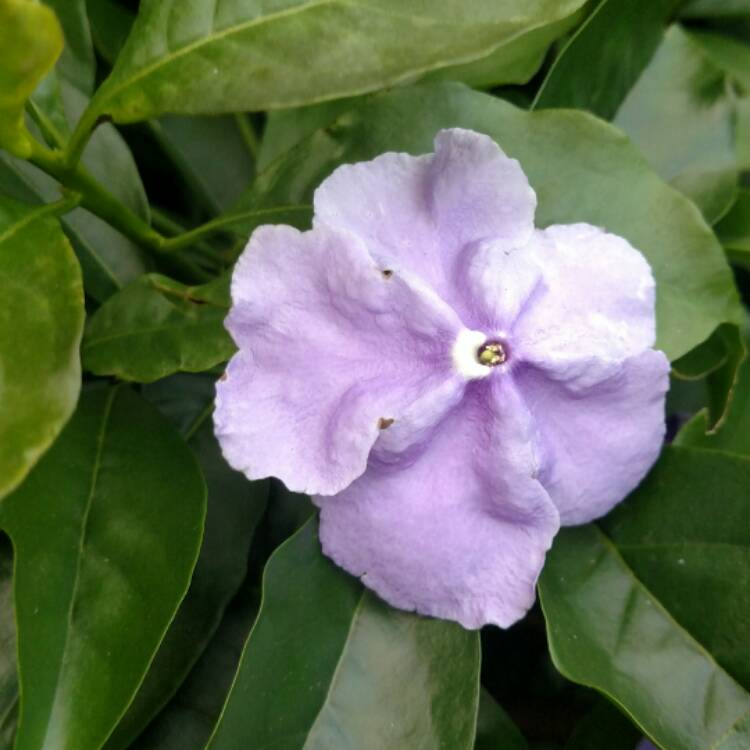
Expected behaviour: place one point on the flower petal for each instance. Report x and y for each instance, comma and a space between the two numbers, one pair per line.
595, 305
417, 213
330, 350
596, 443
458, 526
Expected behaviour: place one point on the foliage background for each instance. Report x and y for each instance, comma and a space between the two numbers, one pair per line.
152, 598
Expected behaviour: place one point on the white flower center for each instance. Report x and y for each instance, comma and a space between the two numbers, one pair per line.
474, 355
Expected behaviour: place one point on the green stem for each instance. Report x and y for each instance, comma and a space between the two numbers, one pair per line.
164, 223
221, 223
96, 198
247, 131
78, 140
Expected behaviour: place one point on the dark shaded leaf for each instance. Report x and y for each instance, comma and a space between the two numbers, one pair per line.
495, 730
604, 727
8, 676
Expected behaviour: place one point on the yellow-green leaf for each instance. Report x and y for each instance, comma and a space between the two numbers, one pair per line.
31, 41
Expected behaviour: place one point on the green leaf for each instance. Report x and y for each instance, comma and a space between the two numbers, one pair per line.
41, 321
495, 729
680, 116
76, 64
8, 676
210, 58
652, 610
104, 535
604, 727
327, 665
514, 62
31, 40
156, 327
633, 31
234, 509
581, 168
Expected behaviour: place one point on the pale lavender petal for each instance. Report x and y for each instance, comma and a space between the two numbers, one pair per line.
498, 283
595, 305
458, 526
328, 347
597, 442
417, 213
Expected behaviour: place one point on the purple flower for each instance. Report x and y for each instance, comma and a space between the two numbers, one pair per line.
449, 383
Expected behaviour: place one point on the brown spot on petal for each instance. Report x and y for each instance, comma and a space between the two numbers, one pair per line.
384, 423
387, 273
223, 376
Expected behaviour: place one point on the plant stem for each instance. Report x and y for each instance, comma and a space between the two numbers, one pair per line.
224, 222
71, 156
247, 131
96, 198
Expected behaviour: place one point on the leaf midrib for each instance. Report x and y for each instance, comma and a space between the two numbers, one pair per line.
146, 71
24, 221
79, 558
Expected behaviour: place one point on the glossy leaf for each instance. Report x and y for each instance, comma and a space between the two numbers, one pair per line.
233, 511
327, 665
651, 611
495, 729
31, 40
581, 168
8, 676
227, 57
103, 535
681, 118
633, 31
41, 321
156, 327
